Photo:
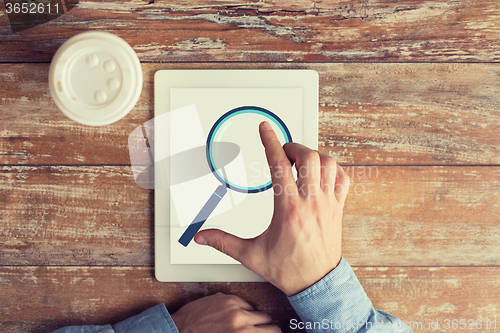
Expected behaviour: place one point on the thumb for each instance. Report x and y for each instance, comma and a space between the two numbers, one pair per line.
224, 242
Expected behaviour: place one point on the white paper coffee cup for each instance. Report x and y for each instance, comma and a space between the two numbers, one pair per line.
95, 78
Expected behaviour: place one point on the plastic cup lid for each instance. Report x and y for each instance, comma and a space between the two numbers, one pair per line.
95, 78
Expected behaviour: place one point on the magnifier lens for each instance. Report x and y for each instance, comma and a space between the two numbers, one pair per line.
236, 134
249, 171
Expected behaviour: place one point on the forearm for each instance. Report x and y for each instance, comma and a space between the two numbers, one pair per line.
338, 303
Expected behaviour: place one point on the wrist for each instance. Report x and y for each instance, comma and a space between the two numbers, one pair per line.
176, 318
306, 281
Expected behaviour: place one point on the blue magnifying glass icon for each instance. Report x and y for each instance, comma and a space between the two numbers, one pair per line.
214, 142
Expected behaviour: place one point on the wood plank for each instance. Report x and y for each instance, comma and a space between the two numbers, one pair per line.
276, 31
410, 113
75, 216
35, 131
409, 216
61, 296
369, 114
422, 216
430, 294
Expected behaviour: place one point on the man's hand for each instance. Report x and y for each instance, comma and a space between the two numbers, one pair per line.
222, 313
303, 242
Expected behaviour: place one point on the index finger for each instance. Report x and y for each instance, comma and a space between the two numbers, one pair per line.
281, 168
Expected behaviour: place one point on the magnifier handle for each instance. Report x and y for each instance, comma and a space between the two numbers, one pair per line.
203, 215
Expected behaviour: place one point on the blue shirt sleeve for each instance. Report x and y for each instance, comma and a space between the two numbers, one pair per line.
338, 303
154, 320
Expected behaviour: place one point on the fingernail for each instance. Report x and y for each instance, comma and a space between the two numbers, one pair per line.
267, 126
201, 241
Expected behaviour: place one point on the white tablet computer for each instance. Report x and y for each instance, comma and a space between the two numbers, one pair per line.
208, 167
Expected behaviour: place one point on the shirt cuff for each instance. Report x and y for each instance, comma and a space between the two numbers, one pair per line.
338, 298
154, 320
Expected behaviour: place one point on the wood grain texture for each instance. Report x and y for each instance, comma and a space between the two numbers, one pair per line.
75, 216
77, 233
409, 216
369, 114
410, 113
420, 295
101, 295
34, 131
276, 31
61, 296
422, 216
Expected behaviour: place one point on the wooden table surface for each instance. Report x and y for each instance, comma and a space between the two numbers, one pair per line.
409, 104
